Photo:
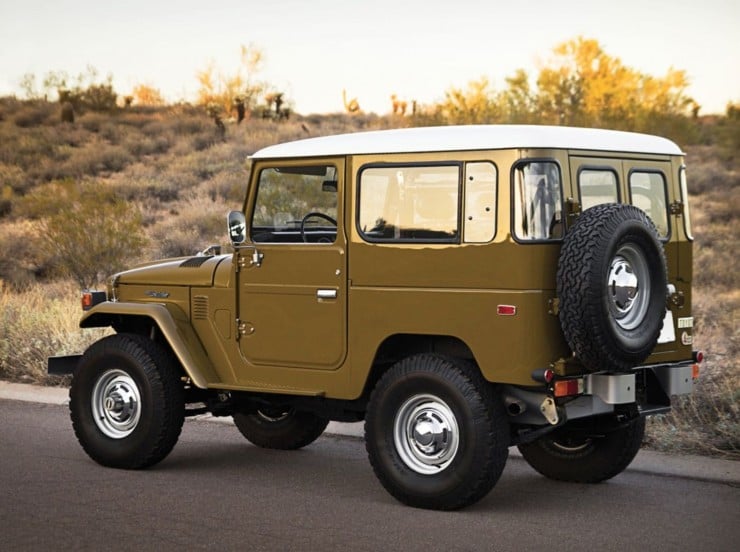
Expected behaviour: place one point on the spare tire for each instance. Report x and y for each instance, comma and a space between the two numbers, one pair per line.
611, 285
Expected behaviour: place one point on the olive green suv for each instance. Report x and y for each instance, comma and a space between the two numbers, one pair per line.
460, 289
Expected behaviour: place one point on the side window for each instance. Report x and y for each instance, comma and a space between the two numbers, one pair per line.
480, 202
537, 201
648, 192
597, 186
296, 205
409, 203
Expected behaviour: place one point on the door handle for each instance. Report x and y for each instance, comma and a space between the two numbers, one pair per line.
326, 293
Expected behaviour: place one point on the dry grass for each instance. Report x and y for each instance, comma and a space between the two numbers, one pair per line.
40, 322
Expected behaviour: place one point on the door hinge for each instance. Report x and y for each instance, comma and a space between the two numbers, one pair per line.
241, 329
255, 259
676, 208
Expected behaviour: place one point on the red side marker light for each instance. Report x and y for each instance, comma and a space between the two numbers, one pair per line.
695, 371
566, 388
506, 310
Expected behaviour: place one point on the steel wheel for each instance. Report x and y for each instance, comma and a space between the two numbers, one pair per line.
426, 434
436, 432
127, 401
116, 404
628, 287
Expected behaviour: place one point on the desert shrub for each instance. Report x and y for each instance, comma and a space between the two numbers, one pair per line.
195, 224
12, 177
147, 145
21, 262
94, 158
91, 233
227, 186
39, 322
6, 200
42, 201
34, 113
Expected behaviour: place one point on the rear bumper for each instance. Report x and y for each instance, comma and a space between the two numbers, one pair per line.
62, 365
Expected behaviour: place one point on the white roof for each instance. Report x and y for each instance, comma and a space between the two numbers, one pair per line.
471, 137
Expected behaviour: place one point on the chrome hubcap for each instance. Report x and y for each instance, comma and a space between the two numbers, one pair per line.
426, 434
628, 285
116, 404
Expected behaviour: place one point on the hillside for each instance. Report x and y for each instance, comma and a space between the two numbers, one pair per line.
167, 177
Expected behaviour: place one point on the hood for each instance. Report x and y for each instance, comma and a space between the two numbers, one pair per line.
184, 271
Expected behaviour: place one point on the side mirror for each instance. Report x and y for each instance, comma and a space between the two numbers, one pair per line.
237, 224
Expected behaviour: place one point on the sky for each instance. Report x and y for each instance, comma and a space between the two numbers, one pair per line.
313, 49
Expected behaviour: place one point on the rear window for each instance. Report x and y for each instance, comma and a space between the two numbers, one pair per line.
597, 186
648, 192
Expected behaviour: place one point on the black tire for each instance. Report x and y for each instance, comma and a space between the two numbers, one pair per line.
283, 429
611, 283
581, 456
460, 438
127, 402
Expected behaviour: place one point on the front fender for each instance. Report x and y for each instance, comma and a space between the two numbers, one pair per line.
175, 327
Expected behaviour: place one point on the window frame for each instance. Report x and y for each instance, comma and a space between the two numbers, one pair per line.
463, 203
457, 239
686, 212
666, 199
251, 209
597, 168
512, 207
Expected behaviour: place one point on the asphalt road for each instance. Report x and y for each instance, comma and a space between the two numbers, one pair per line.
216, 491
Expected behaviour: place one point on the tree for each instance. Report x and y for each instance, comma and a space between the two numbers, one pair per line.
518, 102
217, 87
473, 105
583, 85
147, 95
86, 91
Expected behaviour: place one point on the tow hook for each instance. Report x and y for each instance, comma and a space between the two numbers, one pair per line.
550, 411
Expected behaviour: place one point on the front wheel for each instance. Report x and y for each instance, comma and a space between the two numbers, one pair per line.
584, 455
127, 402
436, 433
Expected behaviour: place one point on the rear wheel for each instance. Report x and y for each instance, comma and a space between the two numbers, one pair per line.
436, 433
280, 428
127, 402
585, 456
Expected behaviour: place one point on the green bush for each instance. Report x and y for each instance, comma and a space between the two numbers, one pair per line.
91, 233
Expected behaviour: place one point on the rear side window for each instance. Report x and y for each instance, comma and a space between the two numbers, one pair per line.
480, 202
537, 201
597, 186
403, 203
648, 192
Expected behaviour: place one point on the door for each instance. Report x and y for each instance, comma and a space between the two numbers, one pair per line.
648, 188
293, 292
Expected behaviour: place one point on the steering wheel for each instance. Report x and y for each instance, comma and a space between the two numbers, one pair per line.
317, 215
